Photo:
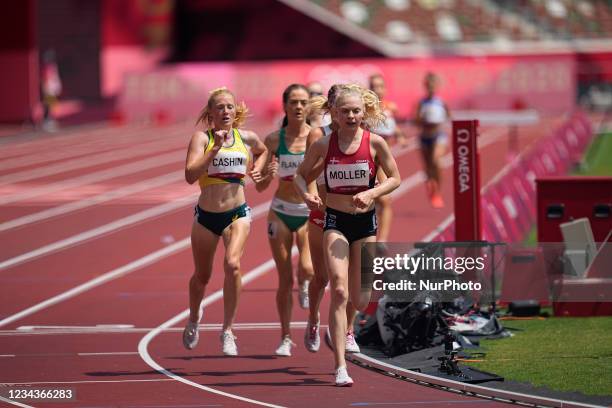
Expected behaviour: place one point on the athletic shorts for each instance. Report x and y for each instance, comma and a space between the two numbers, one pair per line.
353, 226
317, 217
293, 215
430, 141
216, 222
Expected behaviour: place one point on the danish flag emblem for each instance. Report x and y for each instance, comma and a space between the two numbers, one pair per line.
333, 160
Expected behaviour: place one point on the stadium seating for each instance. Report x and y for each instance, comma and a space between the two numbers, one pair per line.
449, 21
564, 19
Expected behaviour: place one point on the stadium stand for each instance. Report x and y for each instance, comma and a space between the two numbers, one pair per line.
449, 21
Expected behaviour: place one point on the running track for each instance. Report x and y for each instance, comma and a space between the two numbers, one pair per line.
94, 226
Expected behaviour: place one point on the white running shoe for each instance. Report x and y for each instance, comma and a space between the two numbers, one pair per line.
191, 335
342, 377
229, 343
285, 347
303, 295
312, 341
351, 345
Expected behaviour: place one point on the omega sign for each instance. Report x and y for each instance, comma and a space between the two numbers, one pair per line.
467, 181
463, 152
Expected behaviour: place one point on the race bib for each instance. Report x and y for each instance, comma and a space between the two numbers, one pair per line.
348, 175
288, 164
228, 164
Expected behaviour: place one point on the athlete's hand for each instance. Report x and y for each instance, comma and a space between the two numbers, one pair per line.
256, 176
313, 201
220, 138
273, 167
363, 199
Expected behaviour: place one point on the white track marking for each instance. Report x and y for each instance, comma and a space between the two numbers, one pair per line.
87, 382
151, 258
101, 175
96, 232
41, 331
96, 327
144, 342
56, 153
97, 199
89, 161
109, 353
19, 404
114, 274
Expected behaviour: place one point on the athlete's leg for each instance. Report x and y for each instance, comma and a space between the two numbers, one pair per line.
337, 260
316, 290
384, 211
360, 286
305, 271
281, 240
203, 246
234, 237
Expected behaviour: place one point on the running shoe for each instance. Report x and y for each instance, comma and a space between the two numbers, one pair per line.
351, 345
191, 335
312, 341
342, 378
229, 343
285, 347
437, 201
303, 295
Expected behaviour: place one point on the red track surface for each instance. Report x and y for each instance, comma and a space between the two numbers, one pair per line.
148, 295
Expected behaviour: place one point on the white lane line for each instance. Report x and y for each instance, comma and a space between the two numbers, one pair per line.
89, 161
136, 330
59, 152
97, 199
87, 382
114, 274
96, 232
8, 355
144, 342
19, 404
151, 258
101, 175
96, 327
109, 353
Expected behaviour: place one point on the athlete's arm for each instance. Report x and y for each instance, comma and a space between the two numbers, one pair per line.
304, 175
314, 135
198, 159
448, 113
386, 161
270, 165
259, 150
417, 116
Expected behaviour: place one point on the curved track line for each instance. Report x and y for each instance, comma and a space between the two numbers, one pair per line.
144, 342
19, 404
